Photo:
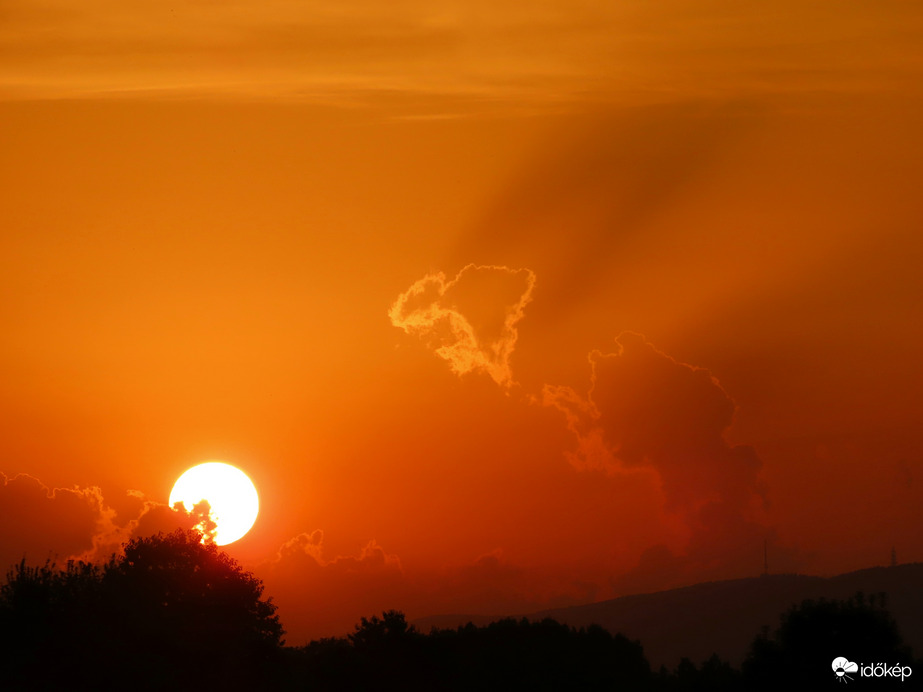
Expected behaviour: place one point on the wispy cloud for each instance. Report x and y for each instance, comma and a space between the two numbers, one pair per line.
469, 321
545, 53
372, 557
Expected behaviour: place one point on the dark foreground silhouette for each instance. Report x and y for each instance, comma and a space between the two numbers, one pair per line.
169, 613
172, 613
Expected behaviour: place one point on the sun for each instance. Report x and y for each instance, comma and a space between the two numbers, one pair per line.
229, 492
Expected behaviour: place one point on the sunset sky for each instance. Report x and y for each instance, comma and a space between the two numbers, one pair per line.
501, 305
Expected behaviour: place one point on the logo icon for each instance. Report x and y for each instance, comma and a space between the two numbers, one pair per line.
841, 667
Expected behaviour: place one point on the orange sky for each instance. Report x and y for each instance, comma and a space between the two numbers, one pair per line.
379, 256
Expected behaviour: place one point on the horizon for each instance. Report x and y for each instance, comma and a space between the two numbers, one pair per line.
485, 617
495, 616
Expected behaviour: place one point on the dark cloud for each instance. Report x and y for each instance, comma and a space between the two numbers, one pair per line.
307, 548
488, 585
654, 410
323, 596
158, 517
39, 522
151, 518
646, 411
493, 585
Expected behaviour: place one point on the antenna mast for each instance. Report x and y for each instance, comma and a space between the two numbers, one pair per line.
765, 558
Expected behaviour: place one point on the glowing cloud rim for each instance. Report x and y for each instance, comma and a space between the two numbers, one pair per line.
459, 343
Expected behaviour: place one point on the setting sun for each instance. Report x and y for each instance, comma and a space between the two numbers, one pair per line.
230, 494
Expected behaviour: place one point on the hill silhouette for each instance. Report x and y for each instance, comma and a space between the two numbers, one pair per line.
722, 617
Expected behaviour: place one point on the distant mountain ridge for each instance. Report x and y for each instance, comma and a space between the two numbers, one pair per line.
723, 617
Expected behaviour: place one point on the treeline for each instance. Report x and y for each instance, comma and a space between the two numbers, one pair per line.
505, 655
522, 655
172, 613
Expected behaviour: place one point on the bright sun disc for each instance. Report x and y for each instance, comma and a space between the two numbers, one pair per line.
229, 492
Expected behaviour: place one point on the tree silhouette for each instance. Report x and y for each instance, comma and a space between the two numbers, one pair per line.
196, 590
43, 616
171, 611
814, 633
387, 630
515, 654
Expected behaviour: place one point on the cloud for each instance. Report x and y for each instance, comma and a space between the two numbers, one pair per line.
157, 517
38, 522
498, 51
372, 557
150, 518
592, 452
310, 544
469, 321
645, 409
323, 596
647, 412
491, 584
